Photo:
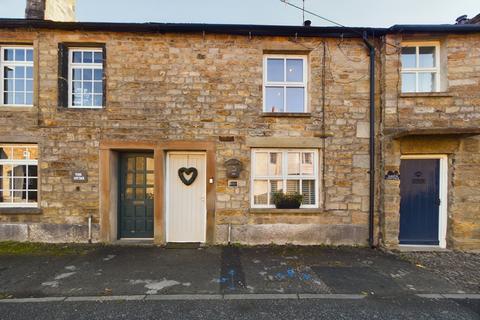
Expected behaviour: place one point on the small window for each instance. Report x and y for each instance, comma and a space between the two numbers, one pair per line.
16, 83
85, 78
284, 170
420, 67
285, 84
18, 176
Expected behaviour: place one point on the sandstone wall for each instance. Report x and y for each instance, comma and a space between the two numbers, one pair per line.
190, 87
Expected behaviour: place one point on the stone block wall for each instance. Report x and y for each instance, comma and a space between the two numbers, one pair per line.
165, 87
456, 107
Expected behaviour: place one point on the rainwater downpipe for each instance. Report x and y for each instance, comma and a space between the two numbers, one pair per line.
371, 208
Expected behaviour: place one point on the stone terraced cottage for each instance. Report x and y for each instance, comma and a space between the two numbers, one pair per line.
184, 132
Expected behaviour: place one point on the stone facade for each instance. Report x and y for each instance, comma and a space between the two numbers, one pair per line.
193, 88
446, 118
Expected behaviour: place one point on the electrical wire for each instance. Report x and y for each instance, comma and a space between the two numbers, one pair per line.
333, 22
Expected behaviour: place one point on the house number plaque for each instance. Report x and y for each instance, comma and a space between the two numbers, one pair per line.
79, 176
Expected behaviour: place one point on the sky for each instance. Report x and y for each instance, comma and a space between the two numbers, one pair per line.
358, 13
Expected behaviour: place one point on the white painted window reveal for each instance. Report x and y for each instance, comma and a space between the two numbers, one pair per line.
16, 85
18, 175
285, 83
284, 170
420, 67
85, 74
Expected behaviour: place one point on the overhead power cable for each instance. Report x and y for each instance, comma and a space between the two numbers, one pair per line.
333, 22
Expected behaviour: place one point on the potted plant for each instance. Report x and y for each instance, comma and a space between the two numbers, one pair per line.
287, 201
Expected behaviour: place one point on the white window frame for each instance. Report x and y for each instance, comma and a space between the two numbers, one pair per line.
284, 177
30, 162
4, 63
285, 84
82, 65
417, 69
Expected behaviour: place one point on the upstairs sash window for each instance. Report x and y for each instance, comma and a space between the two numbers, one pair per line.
16, 76
285, 84
420, 67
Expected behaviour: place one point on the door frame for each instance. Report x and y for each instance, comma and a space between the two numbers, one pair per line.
167, 190
121, 184
443, 193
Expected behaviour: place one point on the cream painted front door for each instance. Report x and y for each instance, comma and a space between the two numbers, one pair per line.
186, 208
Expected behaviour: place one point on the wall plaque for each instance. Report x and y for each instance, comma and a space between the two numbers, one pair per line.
79, 176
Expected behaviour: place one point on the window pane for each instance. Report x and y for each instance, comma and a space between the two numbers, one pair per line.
77, 57
150, 179
87, 100
275, 164
275, 186
139, 180
131, 164
20, 85
426, 57
87, 74
19, 98
29, 54
5, 153
8, 72
150, 164
8, 98
29, 85
260, 192
32, 171
19, 171
32, 196
295, 100
139, 193
307, 163
295, 70
87, 87
8, 85
308, 191
77, 74
87, 57
140, 163
261, 164
29, 71
29, 98
19, 196
274, 99
150, 193
98, 57
8, 54
130, 177
98, 100
32, 183
98, 74
77, 86
98, 87
426, 82
409, 57
77, 100
19, 72
408, 82
19, 54
5, 171
275, 70
293, 186
293, 163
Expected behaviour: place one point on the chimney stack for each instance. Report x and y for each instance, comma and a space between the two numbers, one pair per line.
56, 10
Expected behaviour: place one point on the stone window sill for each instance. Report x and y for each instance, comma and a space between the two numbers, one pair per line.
285, 211
17, 108
20, 211
287, 114
425, 95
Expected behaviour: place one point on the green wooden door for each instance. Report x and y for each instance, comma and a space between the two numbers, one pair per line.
136, 195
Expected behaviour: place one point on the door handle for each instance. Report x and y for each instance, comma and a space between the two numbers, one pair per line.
438, 202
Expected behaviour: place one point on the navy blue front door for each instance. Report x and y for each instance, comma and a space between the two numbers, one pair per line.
420, 201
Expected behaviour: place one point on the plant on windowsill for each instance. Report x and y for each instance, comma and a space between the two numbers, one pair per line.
287, 201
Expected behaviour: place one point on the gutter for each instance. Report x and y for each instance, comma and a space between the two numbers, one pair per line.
371, 208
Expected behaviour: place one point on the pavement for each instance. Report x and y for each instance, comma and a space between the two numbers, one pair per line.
238, 282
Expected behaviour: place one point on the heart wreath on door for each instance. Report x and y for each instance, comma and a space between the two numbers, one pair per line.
183, 173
